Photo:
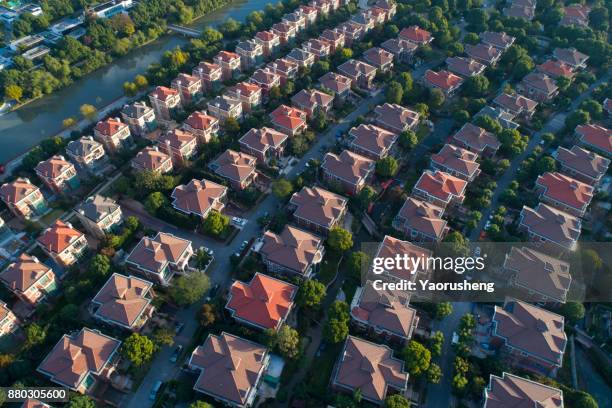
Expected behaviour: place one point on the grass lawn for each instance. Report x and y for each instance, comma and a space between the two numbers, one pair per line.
50, 217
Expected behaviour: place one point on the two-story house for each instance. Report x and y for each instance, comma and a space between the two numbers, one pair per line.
199, 197
23, 198
237, 167
29, 279
202, 125
58, 174
265, 144
165, 102
152, 159
113, 134
88, 154
140, 118
64, 244
99, 215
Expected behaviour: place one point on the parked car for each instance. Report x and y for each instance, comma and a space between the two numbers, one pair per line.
155, 390
239, 222
176, 353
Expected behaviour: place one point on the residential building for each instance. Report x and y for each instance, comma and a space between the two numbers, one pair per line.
445, 81
547, 224
388, 6
88, 154
225, 107
80, 360
440, 188
140, 118
199, 197
29, 279
265, 144
310, 13
516, 104
165, 102
510, 390
391, 247
338, 84
466, 67
349, 169
457, 162
152, 159
317, 209
296, 19
379, 58
565, 193
58, 174
99, 215
595, 137
289, 120
499, 40
322, 6
189, 88
123, 301
210, 74
269, 41
402, 50
8, 321
237, 167
61, 242
582, 164
312, 101
361, 73
384, 314
160, 257
318, 48
229, 63
556, 69
285, 68
571, 57
302, 58
369, 368
263, 303
294, 252
395, 118
202, 125
23, 198
520, 11
543, 277
113, 134
505, 118
109, 8
530, 337
538, 86
486, 54
364, 20
250, 94
576, 14
477, 140
266, 79
417, 35
285, 32
251, 53
371, 141
334, 37
179, 144
230, 369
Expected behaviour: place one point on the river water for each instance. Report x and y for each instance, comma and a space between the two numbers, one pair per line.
24, 128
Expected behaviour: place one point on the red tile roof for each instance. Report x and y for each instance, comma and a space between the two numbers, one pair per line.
197, 196
457, 159
24, 273
476, 138
150, 158
552, 224
566, 190
163, 93
200, 120
227, 56
288, 117
122, 299
110, 126
236, 166
415, 34
350, 167
443, 79
262, 139
423, 217
583, 161
556, 69
58, 237
441, 185
596, 136
293, 248
17, 190
53, 167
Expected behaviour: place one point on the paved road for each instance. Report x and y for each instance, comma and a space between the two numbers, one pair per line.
554, 124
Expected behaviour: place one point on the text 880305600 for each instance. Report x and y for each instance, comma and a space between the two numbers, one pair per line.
43, 394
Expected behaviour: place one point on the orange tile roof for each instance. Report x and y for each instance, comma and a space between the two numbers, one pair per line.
583, 161
415, 34
264, 302
457, 159
58, 237
476, 138
262, 139
552, 224
423, 217
122, 299
53, 167
234, 165
200, 120
318, 206
350, 167
372, 138
441, 185
197, 196
288, 117
227, 56
24, 273
17, 190
596, 136
443, 79
266, 35
150, 158
207, 67
110, 126
177, 138
293, 248
154, 254
566, 190
556, 69
163, 93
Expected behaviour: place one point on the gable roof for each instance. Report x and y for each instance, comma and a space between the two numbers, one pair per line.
97, 207
263, 139
458, 159
22, 274
556, 69
372, 138
200, 120
318, 206
122, 299
110, 126
596, 136
237, 166
476, 138
288, 117
264, 302
17, 190
154, 254
293, 248
423, 217
150, 158
441, 185
83, 146
443, 79
552, 224
197, 196
53, 167
513, 391
348, 166
566, 190
58, 237
415, 34
583, 161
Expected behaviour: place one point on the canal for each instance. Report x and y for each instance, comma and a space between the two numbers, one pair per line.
24, 128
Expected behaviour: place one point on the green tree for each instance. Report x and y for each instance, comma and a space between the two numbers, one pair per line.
476, 86
207, 315
434, 374
231, 126
593, 107
471, 38
80, 401
396, 401
138, 349
340, 239
163, 337
583, 400
387, 167
287, 341
435, 342
436, 98
141, 82
13, 91
417, 358
154, 202
442, 310
282, 188
395, 92
573, 311
366, 196
188, 289
576, 118
311, 293
408, 139
488, 123
200, 404
210, 35
459, 382
69, 123
35, 334
216, 223
356, 261
89, 112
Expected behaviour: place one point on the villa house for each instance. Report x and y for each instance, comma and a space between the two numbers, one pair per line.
285, 68
349, 169
229, 63
499, 40
483, 53
402, 50
361, 73
379, 58
582, 164
576, 14
239, 364
180, 145
123, 301
199, 197
312, 101
250, 94
421, 221
548, 224
225, 107
29, 279
161, 257
320, 49
466, 67
23, 198
140, 118
165, 102
289, 120
202, 125
269, 41
556, 69
338, 84
58, 174
99, 215
113, 134
516, 104
440, 188
251, 53
538, 86
285, 32
417, 35
263, 303
564, 193
8, 321
457, 162
445, 81
266, 79
391, 247
88, 154
477, 140
317, 209
237, 167
78, 361
571, 57
189, 88
595, 137
511, 390
371, 141
210, 74
301, 57
152, 159
294, 252
265, 144
335, 39
64, 244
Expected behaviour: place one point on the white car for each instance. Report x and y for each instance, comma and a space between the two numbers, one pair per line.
238, 222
